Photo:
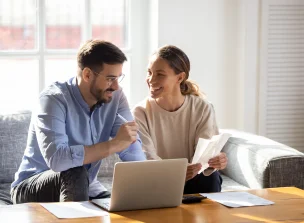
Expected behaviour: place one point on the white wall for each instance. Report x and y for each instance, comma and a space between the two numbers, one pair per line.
212, 35
139, 44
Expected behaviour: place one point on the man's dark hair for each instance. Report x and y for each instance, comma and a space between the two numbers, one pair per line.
94, 53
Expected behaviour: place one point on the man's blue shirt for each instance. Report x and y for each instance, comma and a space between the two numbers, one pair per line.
63, 124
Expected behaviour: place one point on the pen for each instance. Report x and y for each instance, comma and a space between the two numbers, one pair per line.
125, 120
122, 118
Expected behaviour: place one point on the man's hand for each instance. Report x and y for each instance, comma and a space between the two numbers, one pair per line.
192, 170
218, 162
126, 135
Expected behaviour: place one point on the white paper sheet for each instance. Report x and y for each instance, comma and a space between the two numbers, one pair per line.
82, 209
209, 148
237, 199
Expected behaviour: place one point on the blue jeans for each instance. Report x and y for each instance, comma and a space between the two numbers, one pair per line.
49, 186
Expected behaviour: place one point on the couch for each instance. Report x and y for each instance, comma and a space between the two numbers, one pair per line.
254, 161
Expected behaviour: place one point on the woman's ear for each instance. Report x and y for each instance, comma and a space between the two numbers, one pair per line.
181, 77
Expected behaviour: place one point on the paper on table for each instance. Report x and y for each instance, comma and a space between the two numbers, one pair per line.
82, 209
237, 199
209, 148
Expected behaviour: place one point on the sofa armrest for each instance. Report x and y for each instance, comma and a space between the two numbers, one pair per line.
13, 135
258, 162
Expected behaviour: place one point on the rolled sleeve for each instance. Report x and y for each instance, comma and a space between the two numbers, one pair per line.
51, 135
77, 153
133, 153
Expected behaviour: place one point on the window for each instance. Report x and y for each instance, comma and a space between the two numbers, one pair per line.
281, 94
40, 38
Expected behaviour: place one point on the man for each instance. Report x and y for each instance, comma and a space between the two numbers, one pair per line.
69, 133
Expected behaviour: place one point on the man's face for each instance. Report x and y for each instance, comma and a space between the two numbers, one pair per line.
105, 82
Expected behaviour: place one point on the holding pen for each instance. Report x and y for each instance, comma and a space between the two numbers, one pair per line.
125, 120
122, 118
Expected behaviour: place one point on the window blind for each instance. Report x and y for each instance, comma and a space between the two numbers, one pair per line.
282, 73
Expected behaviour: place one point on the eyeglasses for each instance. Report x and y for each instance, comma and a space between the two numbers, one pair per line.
110, 80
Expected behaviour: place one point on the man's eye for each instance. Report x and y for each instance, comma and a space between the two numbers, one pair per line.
111, 78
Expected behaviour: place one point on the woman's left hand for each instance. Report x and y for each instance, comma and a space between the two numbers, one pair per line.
218, 162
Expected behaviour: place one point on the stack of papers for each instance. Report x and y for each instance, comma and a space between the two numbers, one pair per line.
82, 209
237, 199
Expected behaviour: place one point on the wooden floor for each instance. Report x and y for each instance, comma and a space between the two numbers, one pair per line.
288, 207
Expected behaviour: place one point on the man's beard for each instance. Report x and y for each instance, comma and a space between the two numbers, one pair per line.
99, 94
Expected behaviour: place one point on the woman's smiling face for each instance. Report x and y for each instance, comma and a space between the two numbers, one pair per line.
161, 78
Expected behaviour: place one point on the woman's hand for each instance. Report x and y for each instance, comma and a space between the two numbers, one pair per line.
192, 170
218, 162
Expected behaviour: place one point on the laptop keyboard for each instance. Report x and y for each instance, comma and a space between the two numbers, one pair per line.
105, 203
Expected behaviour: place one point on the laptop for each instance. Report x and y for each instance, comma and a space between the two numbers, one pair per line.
146, 184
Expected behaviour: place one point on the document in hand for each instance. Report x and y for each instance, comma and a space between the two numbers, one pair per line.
209, 148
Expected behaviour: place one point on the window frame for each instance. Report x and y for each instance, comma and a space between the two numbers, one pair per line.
41, 53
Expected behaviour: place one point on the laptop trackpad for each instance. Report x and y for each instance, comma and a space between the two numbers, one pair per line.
103, 202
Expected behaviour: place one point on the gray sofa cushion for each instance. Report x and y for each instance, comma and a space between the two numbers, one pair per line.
107, 166
13, 136
230, 185
258, 162
5, 197
106, 182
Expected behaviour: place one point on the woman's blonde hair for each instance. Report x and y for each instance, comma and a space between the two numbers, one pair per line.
179, 62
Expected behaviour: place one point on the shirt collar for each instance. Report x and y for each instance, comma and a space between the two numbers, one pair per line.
78, 95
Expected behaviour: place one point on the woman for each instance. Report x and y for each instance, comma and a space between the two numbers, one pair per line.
175, 116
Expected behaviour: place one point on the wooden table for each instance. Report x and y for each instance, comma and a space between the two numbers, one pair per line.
288, 207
